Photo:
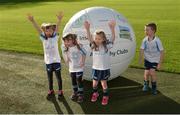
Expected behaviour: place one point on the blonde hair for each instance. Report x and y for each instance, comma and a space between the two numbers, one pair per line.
45, 26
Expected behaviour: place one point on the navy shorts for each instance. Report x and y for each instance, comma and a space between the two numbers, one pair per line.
100, 74
53, 67
149, 65
76, 74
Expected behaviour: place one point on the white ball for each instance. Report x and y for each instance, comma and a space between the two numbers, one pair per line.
124, 46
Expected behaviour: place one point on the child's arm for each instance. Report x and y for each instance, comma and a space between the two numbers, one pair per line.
87, 27
161, 58
112, 25
59, 16
67, 59
31, 19
83, 58
141, 56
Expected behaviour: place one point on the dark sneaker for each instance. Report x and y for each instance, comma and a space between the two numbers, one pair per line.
73, 96
145, 88
154, 91
50, 94
154, 88
80, 99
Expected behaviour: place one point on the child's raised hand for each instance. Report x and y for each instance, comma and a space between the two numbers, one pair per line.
87, 25
60, 15
30, 17
112, 24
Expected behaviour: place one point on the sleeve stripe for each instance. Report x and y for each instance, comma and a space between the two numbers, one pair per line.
83, 51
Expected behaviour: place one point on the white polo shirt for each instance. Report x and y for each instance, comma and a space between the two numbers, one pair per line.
50, 47
152, 49
75, 56
101, 57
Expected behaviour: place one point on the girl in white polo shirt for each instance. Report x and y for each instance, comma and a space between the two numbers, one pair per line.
49, 37
75, 57
101, 60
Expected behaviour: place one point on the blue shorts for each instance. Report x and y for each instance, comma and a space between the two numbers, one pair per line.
53, 67
149, 65
100, 74
76, 74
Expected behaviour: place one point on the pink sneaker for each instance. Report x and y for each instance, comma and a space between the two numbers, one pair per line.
94, 97
105, 100
50, 95
50, 92
60, 94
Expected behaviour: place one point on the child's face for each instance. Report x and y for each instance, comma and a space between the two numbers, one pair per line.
98, 40
48, 32
148, 31
68, 43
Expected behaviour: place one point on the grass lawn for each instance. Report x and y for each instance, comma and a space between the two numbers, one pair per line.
23, 81
23, 87
17, 34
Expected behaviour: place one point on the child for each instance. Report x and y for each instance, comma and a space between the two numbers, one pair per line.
152, 50
75, 57
101, 60
49, 37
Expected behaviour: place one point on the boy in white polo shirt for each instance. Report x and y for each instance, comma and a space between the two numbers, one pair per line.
49, 37
152, 50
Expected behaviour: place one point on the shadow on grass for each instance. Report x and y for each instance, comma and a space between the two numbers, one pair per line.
57, 107
126, 96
